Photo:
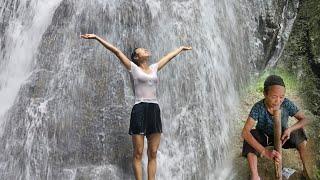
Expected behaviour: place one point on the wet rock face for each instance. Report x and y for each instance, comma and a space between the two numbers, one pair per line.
274, 21
268, 28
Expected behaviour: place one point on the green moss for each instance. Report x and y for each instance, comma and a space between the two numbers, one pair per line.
309, 89
312, 12
301, 52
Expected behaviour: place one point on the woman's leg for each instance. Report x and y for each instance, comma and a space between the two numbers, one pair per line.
153, 145
138, 142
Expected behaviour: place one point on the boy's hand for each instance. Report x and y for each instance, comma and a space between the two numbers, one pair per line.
272, 155
285, 136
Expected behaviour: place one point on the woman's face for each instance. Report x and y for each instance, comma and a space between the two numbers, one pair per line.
142, 54
275, 96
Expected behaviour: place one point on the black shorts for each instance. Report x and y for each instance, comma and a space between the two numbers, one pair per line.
296, 137
145, 119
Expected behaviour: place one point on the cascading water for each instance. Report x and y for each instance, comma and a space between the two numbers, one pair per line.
65, 102
27, 22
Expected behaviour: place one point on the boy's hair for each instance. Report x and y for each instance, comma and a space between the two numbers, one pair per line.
272, 80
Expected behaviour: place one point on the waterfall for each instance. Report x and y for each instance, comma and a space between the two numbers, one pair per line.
27, 22
66, 101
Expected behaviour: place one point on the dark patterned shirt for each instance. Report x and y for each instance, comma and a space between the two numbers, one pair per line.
260, 113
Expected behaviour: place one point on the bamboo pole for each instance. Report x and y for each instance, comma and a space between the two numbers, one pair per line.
277, 142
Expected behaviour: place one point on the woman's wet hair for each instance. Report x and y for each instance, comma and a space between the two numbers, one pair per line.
272, 80
133, 56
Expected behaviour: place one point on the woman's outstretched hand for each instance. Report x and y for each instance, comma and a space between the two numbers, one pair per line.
186, 48
88, 36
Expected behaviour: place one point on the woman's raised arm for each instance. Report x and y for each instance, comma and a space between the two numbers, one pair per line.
163, 61
123, 58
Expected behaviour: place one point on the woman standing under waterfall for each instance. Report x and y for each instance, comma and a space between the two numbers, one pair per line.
145, 115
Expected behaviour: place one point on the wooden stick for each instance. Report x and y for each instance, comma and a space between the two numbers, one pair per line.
277, 141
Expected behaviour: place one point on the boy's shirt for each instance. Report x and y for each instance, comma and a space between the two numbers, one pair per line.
260, 113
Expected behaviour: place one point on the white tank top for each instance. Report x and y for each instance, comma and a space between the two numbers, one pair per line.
145, 85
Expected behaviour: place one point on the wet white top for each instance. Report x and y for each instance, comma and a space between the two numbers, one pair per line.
145, 85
